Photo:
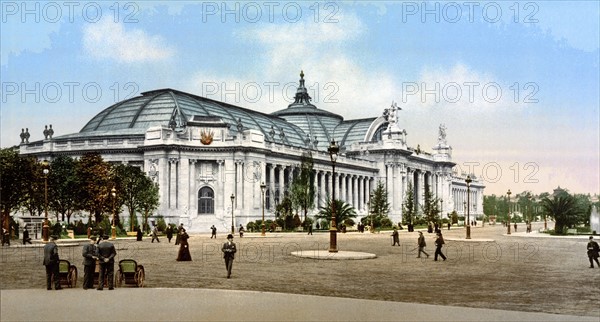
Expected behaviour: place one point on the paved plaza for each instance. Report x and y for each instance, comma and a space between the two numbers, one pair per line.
492, 277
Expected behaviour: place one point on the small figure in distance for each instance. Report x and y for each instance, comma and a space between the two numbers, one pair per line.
229, 251
169, 233
395, 237
439, 243
184, 248
241, 230
139, 234
421, 244
592, 251
155, 234
213, 232
26, 238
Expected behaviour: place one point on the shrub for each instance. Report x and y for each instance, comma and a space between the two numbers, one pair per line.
386, 222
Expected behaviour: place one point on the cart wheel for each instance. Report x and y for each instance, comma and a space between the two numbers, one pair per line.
140, 277
119, 278
73, 277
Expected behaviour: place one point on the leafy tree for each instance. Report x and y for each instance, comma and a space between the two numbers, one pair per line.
379, 206
63, 180
408, 207
302, 188
13, 183
430, 207
96, 182
34, 193
343, 211
284, 211
565, 210
148, 200
132, 184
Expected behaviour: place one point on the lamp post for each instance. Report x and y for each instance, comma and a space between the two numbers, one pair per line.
232, 227
113, 229
468, 181
508, 212
45, 227
262, 189
333, 154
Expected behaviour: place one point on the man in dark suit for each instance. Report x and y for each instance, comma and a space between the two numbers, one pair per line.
229, 253
106, 255
90, 255
51, 260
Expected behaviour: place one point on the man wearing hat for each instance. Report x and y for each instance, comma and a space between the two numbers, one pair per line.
90, 255
106, 255
229, 253
421, 244
51, 262
592, 251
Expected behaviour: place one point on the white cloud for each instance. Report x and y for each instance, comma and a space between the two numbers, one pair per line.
109, 40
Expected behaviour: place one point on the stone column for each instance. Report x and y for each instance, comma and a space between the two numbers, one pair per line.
281, 181
342, 183
322, 193
354, 181
316, 191
173, 183
271, 186
193, 193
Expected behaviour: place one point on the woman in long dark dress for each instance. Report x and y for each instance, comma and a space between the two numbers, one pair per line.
184, 249
139, 234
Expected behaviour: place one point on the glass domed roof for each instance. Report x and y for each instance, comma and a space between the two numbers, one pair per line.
166, 107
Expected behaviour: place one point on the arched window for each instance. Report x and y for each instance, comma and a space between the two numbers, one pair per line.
206, 201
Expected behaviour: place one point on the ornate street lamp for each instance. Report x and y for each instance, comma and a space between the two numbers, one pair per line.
113, 229
232, 227
45, 227
333, 150
508, 212
468, 181
263, 187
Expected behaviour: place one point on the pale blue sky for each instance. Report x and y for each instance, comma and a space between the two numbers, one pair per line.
541, 132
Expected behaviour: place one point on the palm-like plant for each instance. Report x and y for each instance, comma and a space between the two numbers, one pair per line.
563, 209
343, 211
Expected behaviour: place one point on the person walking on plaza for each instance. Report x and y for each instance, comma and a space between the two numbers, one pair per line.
51, 261
421, 244
169, 233
155, 234
229, 250
439, 243
90, 255
515, 225
26, 238
139, 234
179, 229
592, 251
395, 238
184, 248
310, 229
213, 232
106, 256
5, 236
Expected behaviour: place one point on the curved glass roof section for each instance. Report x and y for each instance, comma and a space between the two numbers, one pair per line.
298, 124
167, 106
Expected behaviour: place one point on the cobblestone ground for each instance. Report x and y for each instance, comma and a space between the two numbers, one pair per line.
519, 273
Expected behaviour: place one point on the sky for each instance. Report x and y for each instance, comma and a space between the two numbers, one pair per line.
515, 83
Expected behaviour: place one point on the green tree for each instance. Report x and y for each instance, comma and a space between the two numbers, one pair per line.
430, 207
284, 211
65, 187
408, 207
96, 182
302, 192
148, 200
13, 183
343, 211
131, 184
34, 193
379, 206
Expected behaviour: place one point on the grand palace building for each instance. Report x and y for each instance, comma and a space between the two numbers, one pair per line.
201, 152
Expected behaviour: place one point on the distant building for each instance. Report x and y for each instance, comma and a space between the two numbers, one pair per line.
201, 152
